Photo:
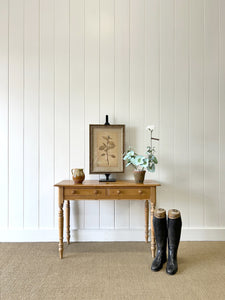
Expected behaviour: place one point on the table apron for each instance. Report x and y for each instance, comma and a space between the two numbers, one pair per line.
107, 194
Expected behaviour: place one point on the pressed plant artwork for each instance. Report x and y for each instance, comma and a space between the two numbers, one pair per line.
106, 147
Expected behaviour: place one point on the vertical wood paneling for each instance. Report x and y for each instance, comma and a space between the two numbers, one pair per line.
106, 63
66, 64
211, 112
46, 199
4, 112
16, 85
137, 93
152, 79
222, 111
152, 76
62, 101
167, 103
122, 93
181, 108
91, 95
106, 88
31, 113
77, 122
196, 113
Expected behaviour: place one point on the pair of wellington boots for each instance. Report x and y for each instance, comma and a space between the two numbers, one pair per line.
164, 230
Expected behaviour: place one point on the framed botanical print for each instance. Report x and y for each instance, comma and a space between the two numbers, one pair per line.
106, 148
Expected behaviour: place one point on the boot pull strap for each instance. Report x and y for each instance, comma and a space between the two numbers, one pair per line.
173, 214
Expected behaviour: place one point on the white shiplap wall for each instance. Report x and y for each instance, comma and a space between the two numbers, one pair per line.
67, 63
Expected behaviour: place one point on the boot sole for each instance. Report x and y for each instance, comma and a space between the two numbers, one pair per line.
173, 273
156, 270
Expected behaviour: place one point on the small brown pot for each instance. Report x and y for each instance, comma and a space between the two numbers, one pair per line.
139, 176
78, 175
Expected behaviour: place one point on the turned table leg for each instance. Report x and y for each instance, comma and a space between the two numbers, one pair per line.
146, 220
153, 202
68, 221
60, 200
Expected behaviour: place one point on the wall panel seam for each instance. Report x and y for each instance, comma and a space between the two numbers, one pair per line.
144, 83
159, 108
99, 64
114, 89
84, 100
8, 118
99, 91
23, 102
204, 208
54, 132
174, 101
188, 113
129, 98
39, 117
219, 116
114, 64
69, 88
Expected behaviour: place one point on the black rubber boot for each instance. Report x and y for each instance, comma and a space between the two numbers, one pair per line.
174, 231
160, 228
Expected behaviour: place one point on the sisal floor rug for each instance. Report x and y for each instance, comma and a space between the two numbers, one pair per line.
119, 271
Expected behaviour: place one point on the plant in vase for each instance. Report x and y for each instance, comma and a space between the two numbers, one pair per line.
142, 163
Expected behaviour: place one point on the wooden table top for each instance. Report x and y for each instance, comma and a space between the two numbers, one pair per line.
119, 183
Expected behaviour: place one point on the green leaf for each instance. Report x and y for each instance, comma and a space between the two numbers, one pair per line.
139, 160
127, 156
145, 163
153, 168
148, 169
155, 160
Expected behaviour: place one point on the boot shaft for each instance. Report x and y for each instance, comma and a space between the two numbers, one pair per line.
174, 228
160, 228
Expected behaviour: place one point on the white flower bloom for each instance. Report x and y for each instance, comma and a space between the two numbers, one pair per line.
150, 127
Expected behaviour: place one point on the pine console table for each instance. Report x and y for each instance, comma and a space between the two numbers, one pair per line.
95, 190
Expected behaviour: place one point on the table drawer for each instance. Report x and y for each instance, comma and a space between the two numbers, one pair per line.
84, 193
122, 193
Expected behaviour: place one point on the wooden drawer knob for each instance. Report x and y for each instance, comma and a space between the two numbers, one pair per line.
140, 192
118, 192
95, 192
73, 192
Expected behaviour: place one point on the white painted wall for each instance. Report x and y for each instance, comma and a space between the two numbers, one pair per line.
67, 63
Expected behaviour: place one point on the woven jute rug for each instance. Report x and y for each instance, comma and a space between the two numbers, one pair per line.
110, 270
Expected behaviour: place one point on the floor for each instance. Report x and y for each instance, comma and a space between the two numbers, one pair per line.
110, 270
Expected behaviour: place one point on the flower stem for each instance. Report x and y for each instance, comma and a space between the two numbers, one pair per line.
151, 140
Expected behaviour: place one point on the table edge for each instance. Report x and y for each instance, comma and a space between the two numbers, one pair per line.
119, 183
